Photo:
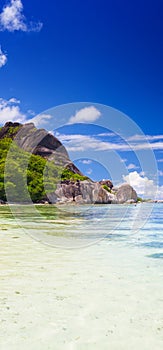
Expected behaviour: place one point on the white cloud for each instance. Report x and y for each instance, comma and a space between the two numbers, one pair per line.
142, 173
160, 160
106, 134
89, 171
85, 115
136, 142
31, 112
160, 172
13, 19
14, 100
41, 119
144, 146
123, 160
10, 111
132, 166
85, 142
77, 142
3, 58
145, 137
85, 161
144, 187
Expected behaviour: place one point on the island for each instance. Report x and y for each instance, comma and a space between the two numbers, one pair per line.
51, 177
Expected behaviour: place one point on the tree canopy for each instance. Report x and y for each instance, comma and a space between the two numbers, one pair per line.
22, 173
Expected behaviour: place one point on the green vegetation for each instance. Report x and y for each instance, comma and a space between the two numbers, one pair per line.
139, 199
106, 188
24, 171
13, 131
69, 175
27, 174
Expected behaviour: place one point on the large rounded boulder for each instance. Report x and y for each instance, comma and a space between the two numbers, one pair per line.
126, 193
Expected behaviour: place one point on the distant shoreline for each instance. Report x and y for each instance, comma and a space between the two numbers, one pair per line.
82, 204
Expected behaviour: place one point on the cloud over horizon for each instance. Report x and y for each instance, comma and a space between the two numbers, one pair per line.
144, 186
12, 19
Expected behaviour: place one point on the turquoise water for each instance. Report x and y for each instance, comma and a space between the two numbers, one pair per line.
140, 225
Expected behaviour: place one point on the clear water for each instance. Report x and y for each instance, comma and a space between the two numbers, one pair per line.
140, 225
107, 293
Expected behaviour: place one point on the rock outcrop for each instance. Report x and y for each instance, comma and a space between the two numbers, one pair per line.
38, 142
108, 183
89, 192
83, 192
35, 141
126, 193
9, 129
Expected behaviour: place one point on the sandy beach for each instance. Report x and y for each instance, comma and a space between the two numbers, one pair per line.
106, 296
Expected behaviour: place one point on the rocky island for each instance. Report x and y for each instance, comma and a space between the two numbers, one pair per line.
65, 183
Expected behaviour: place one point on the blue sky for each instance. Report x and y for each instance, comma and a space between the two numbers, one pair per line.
107, 52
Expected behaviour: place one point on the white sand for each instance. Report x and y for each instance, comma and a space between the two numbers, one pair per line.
104, 297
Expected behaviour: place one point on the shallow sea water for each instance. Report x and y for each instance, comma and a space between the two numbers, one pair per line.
81, 277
